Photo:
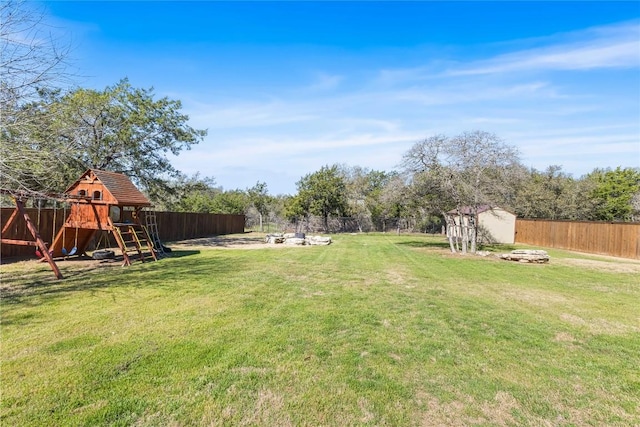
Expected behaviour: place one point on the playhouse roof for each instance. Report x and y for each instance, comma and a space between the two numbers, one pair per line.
117, 184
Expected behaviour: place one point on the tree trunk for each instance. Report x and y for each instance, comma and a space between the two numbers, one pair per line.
474, 239
465, 234
474, 230
450, 231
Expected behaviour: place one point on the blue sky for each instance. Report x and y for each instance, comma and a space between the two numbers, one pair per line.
285, 88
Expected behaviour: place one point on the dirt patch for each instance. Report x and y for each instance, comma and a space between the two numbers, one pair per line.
613, 266
599, 326
535, 297
606, 263
231, 241
564, 337
497, 412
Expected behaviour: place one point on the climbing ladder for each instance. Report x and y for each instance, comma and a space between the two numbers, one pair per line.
130, 238
151, 222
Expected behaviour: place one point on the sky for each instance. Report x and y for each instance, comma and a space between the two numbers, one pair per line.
285, 88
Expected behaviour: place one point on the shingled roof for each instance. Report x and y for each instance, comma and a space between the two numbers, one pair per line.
118, 185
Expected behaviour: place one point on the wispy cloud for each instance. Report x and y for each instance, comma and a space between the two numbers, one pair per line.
243, 114
324, 82
615, 46
469, 92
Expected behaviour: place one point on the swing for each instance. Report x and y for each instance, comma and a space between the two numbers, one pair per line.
75, 244
74, 249
53, 235
64, 231
38, 253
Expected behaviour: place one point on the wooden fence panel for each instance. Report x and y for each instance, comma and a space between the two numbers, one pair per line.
619, 239
44, 222
172, 226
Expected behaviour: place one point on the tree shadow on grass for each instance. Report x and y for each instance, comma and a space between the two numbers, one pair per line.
498, 247
425, 244
28, 288
445, 245
182, 253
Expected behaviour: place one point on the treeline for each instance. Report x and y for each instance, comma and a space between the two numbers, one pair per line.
421, 195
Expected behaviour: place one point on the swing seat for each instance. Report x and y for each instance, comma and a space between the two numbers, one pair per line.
73, 250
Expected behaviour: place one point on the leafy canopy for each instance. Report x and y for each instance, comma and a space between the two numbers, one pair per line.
121, 128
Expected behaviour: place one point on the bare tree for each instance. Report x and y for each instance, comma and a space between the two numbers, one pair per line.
32, 59
461, 173
31, 55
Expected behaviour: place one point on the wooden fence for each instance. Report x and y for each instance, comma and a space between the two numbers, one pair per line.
619, 239
172, 226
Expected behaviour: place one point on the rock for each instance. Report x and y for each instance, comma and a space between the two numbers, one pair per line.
274, 238
297, 239
294, 241
527, 255
318, 240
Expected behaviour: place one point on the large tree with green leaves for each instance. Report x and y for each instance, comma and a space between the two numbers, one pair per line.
124, 129
321, 193
121, 128
613, 193
364, 189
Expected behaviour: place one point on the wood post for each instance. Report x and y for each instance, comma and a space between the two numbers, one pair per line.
34, 232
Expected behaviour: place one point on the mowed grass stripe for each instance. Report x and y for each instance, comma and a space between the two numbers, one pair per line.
374, 329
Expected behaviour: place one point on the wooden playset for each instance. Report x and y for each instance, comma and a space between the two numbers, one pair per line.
99, 201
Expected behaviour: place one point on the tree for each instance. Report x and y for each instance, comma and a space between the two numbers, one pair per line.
464, 172
613, 193
232, 202
31, 59
396, 200
120, 128
189, 194
322, 193
260, 199
200, 194
550, 194
364, 189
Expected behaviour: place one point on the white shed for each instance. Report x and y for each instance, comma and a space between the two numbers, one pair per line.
495, 224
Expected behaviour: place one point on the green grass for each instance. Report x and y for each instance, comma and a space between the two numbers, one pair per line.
372, 330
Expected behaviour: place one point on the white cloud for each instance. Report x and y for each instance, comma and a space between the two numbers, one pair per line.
617, 46
245, 114
325, 82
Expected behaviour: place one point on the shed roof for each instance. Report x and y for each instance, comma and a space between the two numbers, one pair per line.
117, 184
466, 210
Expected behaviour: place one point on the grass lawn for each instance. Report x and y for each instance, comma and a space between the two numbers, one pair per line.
371, 330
